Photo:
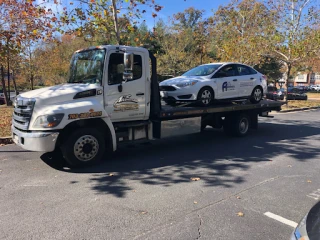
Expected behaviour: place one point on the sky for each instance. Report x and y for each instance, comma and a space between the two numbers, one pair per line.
171, 7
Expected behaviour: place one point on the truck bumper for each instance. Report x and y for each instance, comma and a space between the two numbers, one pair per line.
35, 141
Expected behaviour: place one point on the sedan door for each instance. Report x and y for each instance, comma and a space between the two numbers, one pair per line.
248, 78
227, 83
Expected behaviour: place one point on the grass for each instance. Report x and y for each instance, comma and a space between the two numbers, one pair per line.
292, 104
5, 121
313, 95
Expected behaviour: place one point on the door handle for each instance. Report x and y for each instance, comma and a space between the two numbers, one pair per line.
235, 80
139, 94
251, 78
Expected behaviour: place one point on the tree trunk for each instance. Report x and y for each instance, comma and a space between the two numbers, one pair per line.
287, 80
31, 81
115, 21
4, 86
14, 84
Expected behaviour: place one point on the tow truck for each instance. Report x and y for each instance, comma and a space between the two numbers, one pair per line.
112, 97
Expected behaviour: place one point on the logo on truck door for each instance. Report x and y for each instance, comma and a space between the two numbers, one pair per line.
126, 103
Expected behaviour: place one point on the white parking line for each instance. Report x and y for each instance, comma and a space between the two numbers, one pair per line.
281, 219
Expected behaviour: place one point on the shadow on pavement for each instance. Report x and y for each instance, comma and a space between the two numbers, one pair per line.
211, 155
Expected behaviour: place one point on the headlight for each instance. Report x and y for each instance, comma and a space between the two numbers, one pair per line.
48, 121
186, 84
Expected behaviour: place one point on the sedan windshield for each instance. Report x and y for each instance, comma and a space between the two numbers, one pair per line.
87, 66
202, 70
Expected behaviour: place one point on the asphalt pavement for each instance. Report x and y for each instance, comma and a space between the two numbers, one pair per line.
257, 187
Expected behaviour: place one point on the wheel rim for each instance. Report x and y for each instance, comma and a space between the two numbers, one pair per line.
243, 125
257, 94
86, 148
206, 97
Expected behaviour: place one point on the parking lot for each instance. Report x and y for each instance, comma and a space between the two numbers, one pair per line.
202, 186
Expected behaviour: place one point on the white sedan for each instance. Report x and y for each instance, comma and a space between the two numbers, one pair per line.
208, 82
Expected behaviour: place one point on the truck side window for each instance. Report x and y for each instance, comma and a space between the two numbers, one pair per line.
116, 68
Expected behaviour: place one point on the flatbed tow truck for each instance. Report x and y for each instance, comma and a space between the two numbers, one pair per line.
113, 97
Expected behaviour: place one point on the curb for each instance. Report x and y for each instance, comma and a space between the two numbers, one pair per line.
298, 109
5, 140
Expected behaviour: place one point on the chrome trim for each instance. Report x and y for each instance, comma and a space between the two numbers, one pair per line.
21, 126
23, 111
23, 108
21, 119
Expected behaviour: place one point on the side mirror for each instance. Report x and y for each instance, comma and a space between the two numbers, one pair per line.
127, 76
128, 66
128, 61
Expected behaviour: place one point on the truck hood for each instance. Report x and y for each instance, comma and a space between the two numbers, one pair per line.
57, 94
181, 79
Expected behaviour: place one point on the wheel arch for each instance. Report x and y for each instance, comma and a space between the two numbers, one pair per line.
208, 86
103, 124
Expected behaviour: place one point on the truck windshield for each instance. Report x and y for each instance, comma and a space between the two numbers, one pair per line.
87, 66
202, 70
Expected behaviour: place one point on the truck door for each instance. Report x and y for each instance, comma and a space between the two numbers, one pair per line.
125, 101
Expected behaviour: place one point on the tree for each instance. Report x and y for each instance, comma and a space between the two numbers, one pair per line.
238, 31
115, 18
21, 21
296, 37
270, 67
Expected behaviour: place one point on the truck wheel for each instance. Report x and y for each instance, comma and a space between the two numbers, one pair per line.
83, 147
205, 96
237, 125
256, 95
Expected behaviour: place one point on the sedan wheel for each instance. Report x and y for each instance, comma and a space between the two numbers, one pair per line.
256, 95
205, 96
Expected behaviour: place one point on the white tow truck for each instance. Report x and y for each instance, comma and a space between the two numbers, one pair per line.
113, 97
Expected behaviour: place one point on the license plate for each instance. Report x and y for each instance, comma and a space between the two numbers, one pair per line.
15, 138
163, 94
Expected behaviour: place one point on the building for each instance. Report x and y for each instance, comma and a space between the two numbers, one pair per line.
303, 79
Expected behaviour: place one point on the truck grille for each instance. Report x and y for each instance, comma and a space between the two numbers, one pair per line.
23, 108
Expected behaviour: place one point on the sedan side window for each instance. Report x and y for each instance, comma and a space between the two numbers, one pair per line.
244, 70
227, 71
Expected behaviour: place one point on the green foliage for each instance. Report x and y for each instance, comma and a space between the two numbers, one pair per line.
247, 31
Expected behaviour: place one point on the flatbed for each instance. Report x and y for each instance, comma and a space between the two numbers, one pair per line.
171, 112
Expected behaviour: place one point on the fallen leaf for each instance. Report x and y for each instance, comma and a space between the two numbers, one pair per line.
289, 165
240, 214
134, 190
309, 181
195, 202
143, 212
195, 179
238, 197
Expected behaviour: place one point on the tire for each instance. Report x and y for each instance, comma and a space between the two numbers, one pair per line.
83, 147
256, 95
237, 125
205, 97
